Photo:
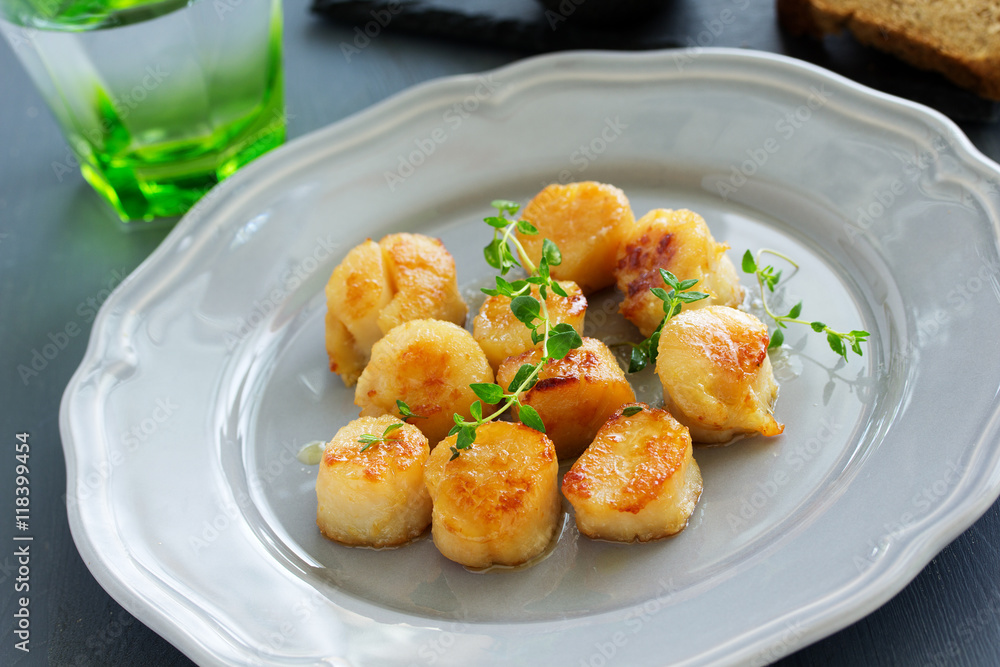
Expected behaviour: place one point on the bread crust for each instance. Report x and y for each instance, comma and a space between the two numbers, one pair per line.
965, 48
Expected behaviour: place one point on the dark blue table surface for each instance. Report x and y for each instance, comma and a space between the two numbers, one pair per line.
61, 252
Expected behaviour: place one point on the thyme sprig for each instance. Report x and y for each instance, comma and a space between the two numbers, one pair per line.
369, 439
767, 280
556, 340
644, 353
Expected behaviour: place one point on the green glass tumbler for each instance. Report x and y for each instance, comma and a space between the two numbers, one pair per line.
158, 100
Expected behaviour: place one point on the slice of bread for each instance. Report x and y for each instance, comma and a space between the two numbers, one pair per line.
959, 38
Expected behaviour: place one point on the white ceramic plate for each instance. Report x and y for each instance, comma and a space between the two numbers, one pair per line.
206, 372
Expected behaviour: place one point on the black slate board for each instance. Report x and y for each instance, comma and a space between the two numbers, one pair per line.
529, 27
521, 25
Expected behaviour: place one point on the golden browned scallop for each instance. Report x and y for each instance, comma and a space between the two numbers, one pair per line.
586, 221
500, 334
716, 375
423, 272
375, 497
574, 395
498, 502
358, 289
429, 365
380, 285
638, 480
680, 242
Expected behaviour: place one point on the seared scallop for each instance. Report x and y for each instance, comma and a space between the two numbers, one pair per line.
373, 495
429, 365
501, 335
716, 375
498, 502
586, 221
574, 395
423, 273
680, 242
357, 291
638, 480
380, 285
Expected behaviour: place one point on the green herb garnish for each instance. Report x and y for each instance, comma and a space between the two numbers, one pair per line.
644, 353
405, 412
557, 340
368, 439
767, 280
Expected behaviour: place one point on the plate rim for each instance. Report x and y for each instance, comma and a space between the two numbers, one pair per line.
867, 596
